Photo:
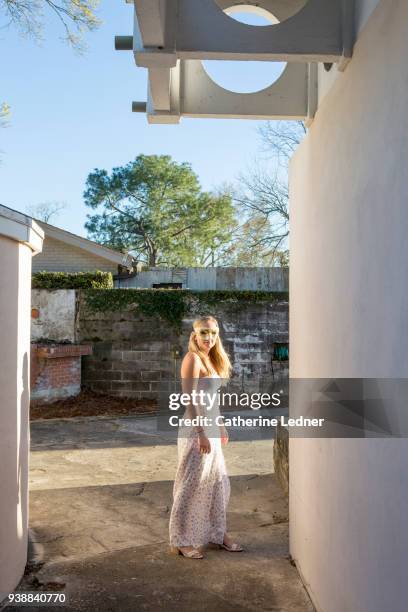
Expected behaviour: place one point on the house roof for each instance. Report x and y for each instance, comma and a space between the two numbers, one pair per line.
123, 259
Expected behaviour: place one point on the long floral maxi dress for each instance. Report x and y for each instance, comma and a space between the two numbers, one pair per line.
201, 488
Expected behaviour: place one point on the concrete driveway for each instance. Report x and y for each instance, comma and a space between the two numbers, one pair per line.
101, 492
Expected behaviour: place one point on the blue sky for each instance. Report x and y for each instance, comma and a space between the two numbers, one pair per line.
71, 114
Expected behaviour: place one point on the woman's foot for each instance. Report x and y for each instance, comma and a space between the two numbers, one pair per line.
187, 551
230, 545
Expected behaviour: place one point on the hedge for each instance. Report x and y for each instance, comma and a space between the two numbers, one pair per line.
72, 280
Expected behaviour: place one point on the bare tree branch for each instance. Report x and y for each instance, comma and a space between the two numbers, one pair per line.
76, 17
46, 211
281, 138
262, 197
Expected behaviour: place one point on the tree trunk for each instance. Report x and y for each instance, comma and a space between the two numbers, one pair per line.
152, 258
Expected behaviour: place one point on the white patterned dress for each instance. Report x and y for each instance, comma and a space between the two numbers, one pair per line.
201, 488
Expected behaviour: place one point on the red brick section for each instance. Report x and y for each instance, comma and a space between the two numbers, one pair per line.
62, 350
56, 370
57, 373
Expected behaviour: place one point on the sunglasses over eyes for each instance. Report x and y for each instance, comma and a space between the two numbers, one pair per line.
206, 332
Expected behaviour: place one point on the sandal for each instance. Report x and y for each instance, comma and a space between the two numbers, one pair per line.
234, 547
190, 554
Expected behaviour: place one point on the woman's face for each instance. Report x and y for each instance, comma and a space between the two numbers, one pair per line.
206, 335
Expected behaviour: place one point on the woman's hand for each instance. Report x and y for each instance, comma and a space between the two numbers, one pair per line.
204, 443
224, 436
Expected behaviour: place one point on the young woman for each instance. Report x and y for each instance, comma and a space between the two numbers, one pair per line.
201, 488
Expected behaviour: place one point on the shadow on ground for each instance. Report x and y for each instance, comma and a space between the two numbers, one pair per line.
99, 526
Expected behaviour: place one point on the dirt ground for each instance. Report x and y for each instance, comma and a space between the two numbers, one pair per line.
89, 403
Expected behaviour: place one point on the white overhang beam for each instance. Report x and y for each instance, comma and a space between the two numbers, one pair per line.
321, 31
194, 94
171, 37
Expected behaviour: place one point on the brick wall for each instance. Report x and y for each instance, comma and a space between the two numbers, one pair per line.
58, 256
135, 356
55, 371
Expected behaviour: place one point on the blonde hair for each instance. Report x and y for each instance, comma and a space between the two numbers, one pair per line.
217, 357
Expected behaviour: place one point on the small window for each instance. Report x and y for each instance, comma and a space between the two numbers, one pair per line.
167, 286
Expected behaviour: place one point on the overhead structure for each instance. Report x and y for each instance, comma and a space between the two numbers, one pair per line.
171, 38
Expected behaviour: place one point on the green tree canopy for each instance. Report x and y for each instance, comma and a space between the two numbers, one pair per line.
155, 208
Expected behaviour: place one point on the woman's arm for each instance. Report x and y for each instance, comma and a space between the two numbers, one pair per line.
190, 373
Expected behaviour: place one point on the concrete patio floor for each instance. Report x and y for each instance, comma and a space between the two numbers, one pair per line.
101, 492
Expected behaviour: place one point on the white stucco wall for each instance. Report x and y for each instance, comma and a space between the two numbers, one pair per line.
363, 10
348, 318
14, 383
19, 237
56, 315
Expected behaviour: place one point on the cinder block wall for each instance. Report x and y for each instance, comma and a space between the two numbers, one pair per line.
133, 355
